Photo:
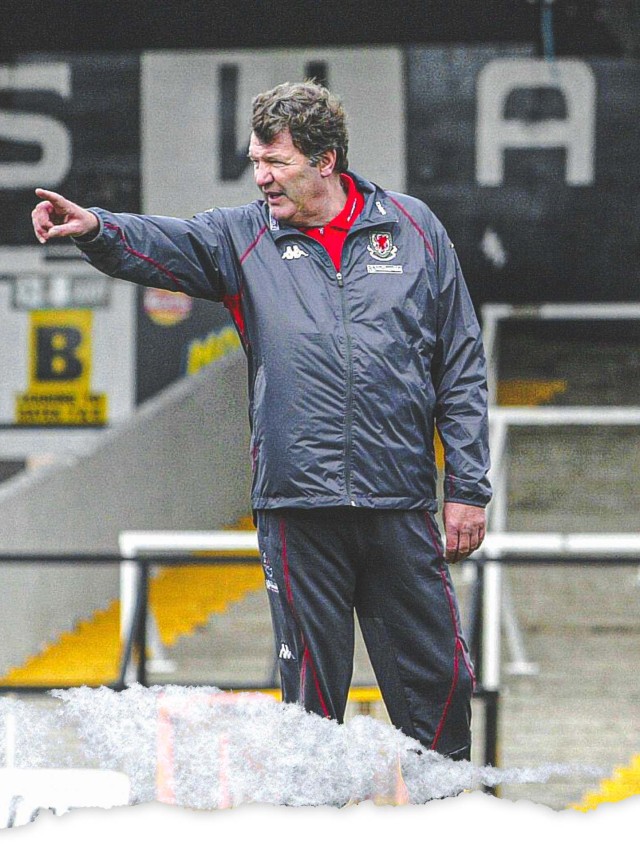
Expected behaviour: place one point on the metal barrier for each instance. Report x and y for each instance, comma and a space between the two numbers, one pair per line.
140, 547
142, 550
532, 549
503, 418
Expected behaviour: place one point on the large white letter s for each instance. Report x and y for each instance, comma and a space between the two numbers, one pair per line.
48, 133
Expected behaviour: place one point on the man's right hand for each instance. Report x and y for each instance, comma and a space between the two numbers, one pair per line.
56, 216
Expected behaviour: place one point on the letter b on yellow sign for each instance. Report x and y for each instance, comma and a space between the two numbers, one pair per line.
56, 354
59, 392
60, 351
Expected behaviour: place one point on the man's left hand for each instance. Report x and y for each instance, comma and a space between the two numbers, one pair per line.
464, 527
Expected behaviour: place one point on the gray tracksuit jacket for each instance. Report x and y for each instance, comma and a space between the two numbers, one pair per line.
348, 371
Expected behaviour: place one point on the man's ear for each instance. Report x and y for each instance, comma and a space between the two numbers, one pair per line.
327, 162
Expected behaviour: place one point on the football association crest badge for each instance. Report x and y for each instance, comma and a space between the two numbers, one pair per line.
381, 245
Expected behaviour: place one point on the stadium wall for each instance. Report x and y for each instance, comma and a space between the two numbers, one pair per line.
181, 462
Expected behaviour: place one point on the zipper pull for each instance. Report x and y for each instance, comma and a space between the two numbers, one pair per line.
339, 279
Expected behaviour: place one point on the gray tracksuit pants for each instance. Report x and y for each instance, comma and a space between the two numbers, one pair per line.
389, 565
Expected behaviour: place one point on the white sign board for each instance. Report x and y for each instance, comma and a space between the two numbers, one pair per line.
196, 109
67, 347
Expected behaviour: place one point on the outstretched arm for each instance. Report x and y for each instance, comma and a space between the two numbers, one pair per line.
56, 216
191, 256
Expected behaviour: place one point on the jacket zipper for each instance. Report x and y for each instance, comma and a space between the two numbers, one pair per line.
348, 421
348, 417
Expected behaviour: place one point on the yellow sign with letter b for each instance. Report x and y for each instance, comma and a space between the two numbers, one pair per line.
59, 392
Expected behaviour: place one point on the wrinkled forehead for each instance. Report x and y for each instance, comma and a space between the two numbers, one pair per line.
281, 145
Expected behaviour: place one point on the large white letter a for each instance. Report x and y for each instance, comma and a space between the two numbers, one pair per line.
575, 133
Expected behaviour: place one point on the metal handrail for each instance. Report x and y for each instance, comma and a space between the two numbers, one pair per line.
499, 548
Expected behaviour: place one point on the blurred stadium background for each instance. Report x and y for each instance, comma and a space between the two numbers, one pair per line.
123, 409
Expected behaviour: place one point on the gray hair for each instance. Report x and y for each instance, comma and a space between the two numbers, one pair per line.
315, 118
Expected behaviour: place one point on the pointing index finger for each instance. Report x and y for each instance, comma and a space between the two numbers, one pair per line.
49, 195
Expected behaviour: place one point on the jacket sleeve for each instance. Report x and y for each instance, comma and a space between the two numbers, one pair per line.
185, 255
459, 377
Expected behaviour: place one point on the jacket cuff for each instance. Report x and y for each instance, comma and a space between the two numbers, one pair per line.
84, 242
471, 493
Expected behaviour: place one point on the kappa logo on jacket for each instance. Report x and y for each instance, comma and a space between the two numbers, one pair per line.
294, 252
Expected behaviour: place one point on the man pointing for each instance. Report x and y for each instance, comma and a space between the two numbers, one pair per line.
361, 340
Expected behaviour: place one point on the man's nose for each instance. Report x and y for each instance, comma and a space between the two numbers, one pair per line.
263, 174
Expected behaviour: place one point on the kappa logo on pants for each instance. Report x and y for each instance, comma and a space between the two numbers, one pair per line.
270, 583
285, 652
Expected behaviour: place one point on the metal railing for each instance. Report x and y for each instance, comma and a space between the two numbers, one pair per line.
141, 551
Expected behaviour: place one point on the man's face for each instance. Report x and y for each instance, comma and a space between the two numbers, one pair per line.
294, 189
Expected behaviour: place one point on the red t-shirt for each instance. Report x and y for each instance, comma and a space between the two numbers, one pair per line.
333, 234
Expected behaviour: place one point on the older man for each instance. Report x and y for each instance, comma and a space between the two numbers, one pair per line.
361, 339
